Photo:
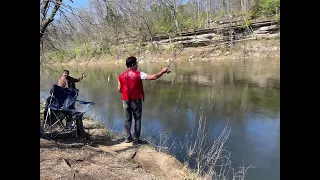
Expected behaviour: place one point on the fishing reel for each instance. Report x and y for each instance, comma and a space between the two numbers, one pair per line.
169, 70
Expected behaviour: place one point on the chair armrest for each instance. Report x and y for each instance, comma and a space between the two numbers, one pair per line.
85, 102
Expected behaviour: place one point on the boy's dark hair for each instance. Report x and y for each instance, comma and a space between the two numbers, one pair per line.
131, 61
66, 71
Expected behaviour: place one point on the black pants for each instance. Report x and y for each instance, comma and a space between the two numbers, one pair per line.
132, 108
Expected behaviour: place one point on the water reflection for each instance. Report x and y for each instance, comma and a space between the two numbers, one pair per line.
245, 93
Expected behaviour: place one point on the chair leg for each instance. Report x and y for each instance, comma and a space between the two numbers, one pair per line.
46, 119
75, 129
76, 126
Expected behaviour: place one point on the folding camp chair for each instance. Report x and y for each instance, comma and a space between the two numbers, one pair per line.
60, 114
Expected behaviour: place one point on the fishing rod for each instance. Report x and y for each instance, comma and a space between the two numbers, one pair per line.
175, 57
89, 60
85, 68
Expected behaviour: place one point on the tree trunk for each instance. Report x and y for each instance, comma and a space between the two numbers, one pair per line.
208, 8
177, 23
198, 12
207, 12
45, 22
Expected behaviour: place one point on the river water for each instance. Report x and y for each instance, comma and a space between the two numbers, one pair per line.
243, 94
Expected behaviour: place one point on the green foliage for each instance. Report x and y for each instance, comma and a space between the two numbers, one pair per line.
255, 9
244, 25
187, 24
84, 50
248, 15
269, 7
221, 13
203, 18
164, 26
186, 20
165, 22
56, 56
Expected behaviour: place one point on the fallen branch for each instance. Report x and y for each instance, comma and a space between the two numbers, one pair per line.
91, 163
69, 165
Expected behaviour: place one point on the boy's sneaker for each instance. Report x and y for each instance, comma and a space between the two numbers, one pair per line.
128, 140
139, 141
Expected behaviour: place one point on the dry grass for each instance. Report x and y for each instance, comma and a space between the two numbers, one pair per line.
210, 161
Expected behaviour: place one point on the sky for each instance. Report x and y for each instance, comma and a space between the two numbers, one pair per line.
84, 3
77, 3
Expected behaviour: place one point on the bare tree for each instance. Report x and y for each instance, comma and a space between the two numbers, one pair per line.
45, 18
107, 23
208, 9
198, 6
